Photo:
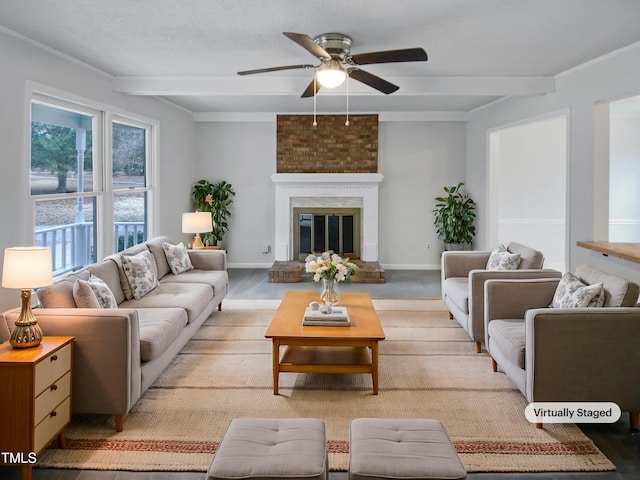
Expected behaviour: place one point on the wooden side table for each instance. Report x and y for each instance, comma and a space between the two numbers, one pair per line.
35, 398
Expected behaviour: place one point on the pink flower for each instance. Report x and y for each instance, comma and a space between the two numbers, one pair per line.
209, 199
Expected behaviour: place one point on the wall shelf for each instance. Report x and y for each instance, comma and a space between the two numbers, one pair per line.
626, 251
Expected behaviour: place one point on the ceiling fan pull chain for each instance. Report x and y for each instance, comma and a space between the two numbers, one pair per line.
315, 124
346, 124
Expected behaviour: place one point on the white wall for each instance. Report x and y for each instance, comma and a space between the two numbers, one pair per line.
528, 179
616, 76
417, 160
624, 178
21, 63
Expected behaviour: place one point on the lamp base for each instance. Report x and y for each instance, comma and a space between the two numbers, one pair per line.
26, 332
197, 242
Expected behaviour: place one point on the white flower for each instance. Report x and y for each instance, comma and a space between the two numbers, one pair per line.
329, 266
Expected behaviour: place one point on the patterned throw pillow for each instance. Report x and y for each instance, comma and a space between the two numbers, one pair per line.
177, 257
93, 293
572, 293
502, 259
140, 273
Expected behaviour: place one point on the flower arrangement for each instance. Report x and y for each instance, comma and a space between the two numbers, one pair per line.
329, 266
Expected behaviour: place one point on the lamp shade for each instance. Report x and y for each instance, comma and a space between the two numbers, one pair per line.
27, 267
331, 74
196, 222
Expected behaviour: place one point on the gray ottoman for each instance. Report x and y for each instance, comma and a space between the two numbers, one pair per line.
413, 449
272, 448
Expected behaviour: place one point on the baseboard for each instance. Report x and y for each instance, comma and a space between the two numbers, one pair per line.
387, 266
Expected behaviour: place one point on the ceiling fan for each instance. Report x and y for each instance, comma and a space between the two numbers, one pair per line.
336, 62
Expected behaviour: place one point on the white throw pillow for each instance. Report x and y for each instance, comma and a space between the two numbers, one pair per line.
93, 293
573, 293
178, 257
502, 259
140, 273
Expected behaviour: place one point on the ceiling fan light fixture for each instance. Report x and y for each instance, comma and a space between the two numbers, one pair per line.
331, 74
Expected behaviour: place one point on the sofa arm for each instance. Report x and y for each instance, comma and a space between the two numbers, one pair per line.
585, 354
106, 355
477, 280
510, 299
208, 259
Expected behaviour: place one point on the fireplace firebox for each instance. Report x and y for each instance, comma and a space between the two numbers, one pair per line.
317, 230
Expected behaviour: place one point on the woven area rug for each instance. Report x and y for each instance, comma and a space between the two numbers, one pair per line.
428, 369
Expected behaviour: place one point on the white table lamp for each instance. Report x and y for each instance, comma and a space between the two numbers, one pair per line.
197, 222
26, 268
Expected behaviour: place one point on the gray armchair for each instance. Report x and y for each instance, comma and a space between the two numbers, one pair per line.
567, 354
463, 277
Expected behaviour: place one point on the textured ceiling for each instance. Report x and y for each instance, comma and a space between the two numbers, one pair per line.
189, 51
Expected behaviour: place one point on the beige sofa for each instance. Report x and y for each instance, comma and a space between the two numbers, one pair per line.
567, 354
463, 277
119, 352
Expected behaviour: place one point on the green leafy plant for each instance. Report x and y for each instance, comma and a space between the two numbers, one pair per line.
454, 216
214, 198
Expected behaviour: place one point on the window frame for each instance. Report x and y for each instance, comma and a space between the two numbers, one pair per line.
103, 191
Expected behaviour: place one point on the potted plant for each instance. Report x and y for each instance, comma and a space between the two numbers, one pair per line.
454, 217
214, 198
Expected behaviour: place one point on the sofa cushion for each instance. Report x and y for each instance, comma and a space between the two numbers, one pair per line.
217, 279
177, 257
618, 291
107, 270
572, 293
529, 258
84, 295
155, 247
192, 297
457, 289
509, 338
93, 293
117, 259
502, 259
141, 275
60, 294
159, 327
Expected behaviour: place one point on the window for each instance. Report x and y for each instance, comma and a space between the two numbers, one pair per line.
129, 184
90, 196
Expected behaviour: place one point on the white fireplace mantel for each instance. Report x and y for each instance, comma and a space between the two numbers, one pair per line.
291, 187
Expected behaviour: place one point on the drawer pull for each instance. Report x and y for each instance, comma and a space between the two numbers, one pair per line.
54, 358
54, 387
53, 414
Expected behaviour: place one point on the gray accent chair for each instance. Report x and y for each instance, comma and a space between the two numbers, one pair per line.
567, 354
463, 277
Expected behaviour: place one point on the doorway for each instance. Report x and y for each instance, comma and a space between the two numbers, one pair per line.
528, 187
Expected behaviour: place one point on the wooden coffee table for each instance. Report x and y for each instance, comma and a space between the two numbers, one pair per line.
320, 349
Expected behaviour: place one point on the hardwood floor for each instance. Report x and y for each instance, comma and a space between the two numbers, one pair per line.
616, 440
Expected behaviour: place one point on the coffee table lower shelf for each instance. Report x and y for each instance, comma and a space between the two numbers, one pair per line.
327, 359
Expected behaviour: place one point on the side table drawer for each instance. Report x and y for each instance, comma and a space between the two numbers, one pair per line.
51, 425
52, 368
47, 401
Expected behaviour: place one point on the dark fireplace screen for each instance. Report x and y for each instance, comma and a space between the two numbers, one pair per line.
319, 230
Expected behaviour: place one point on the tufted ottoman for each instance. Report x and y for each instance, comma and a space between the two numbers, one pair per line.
271, 448
400, 449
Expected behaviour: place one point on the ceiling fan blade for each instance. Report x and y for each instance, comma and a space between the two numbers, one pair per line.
306, 42
311, 89
373, 81
391, 56
274, 69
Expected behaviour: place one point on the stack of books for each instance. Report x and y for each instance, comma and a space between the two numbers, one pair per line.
339, 317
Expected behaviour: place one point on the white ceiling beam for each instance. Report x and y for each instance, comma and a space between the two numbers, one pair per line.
292, 85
